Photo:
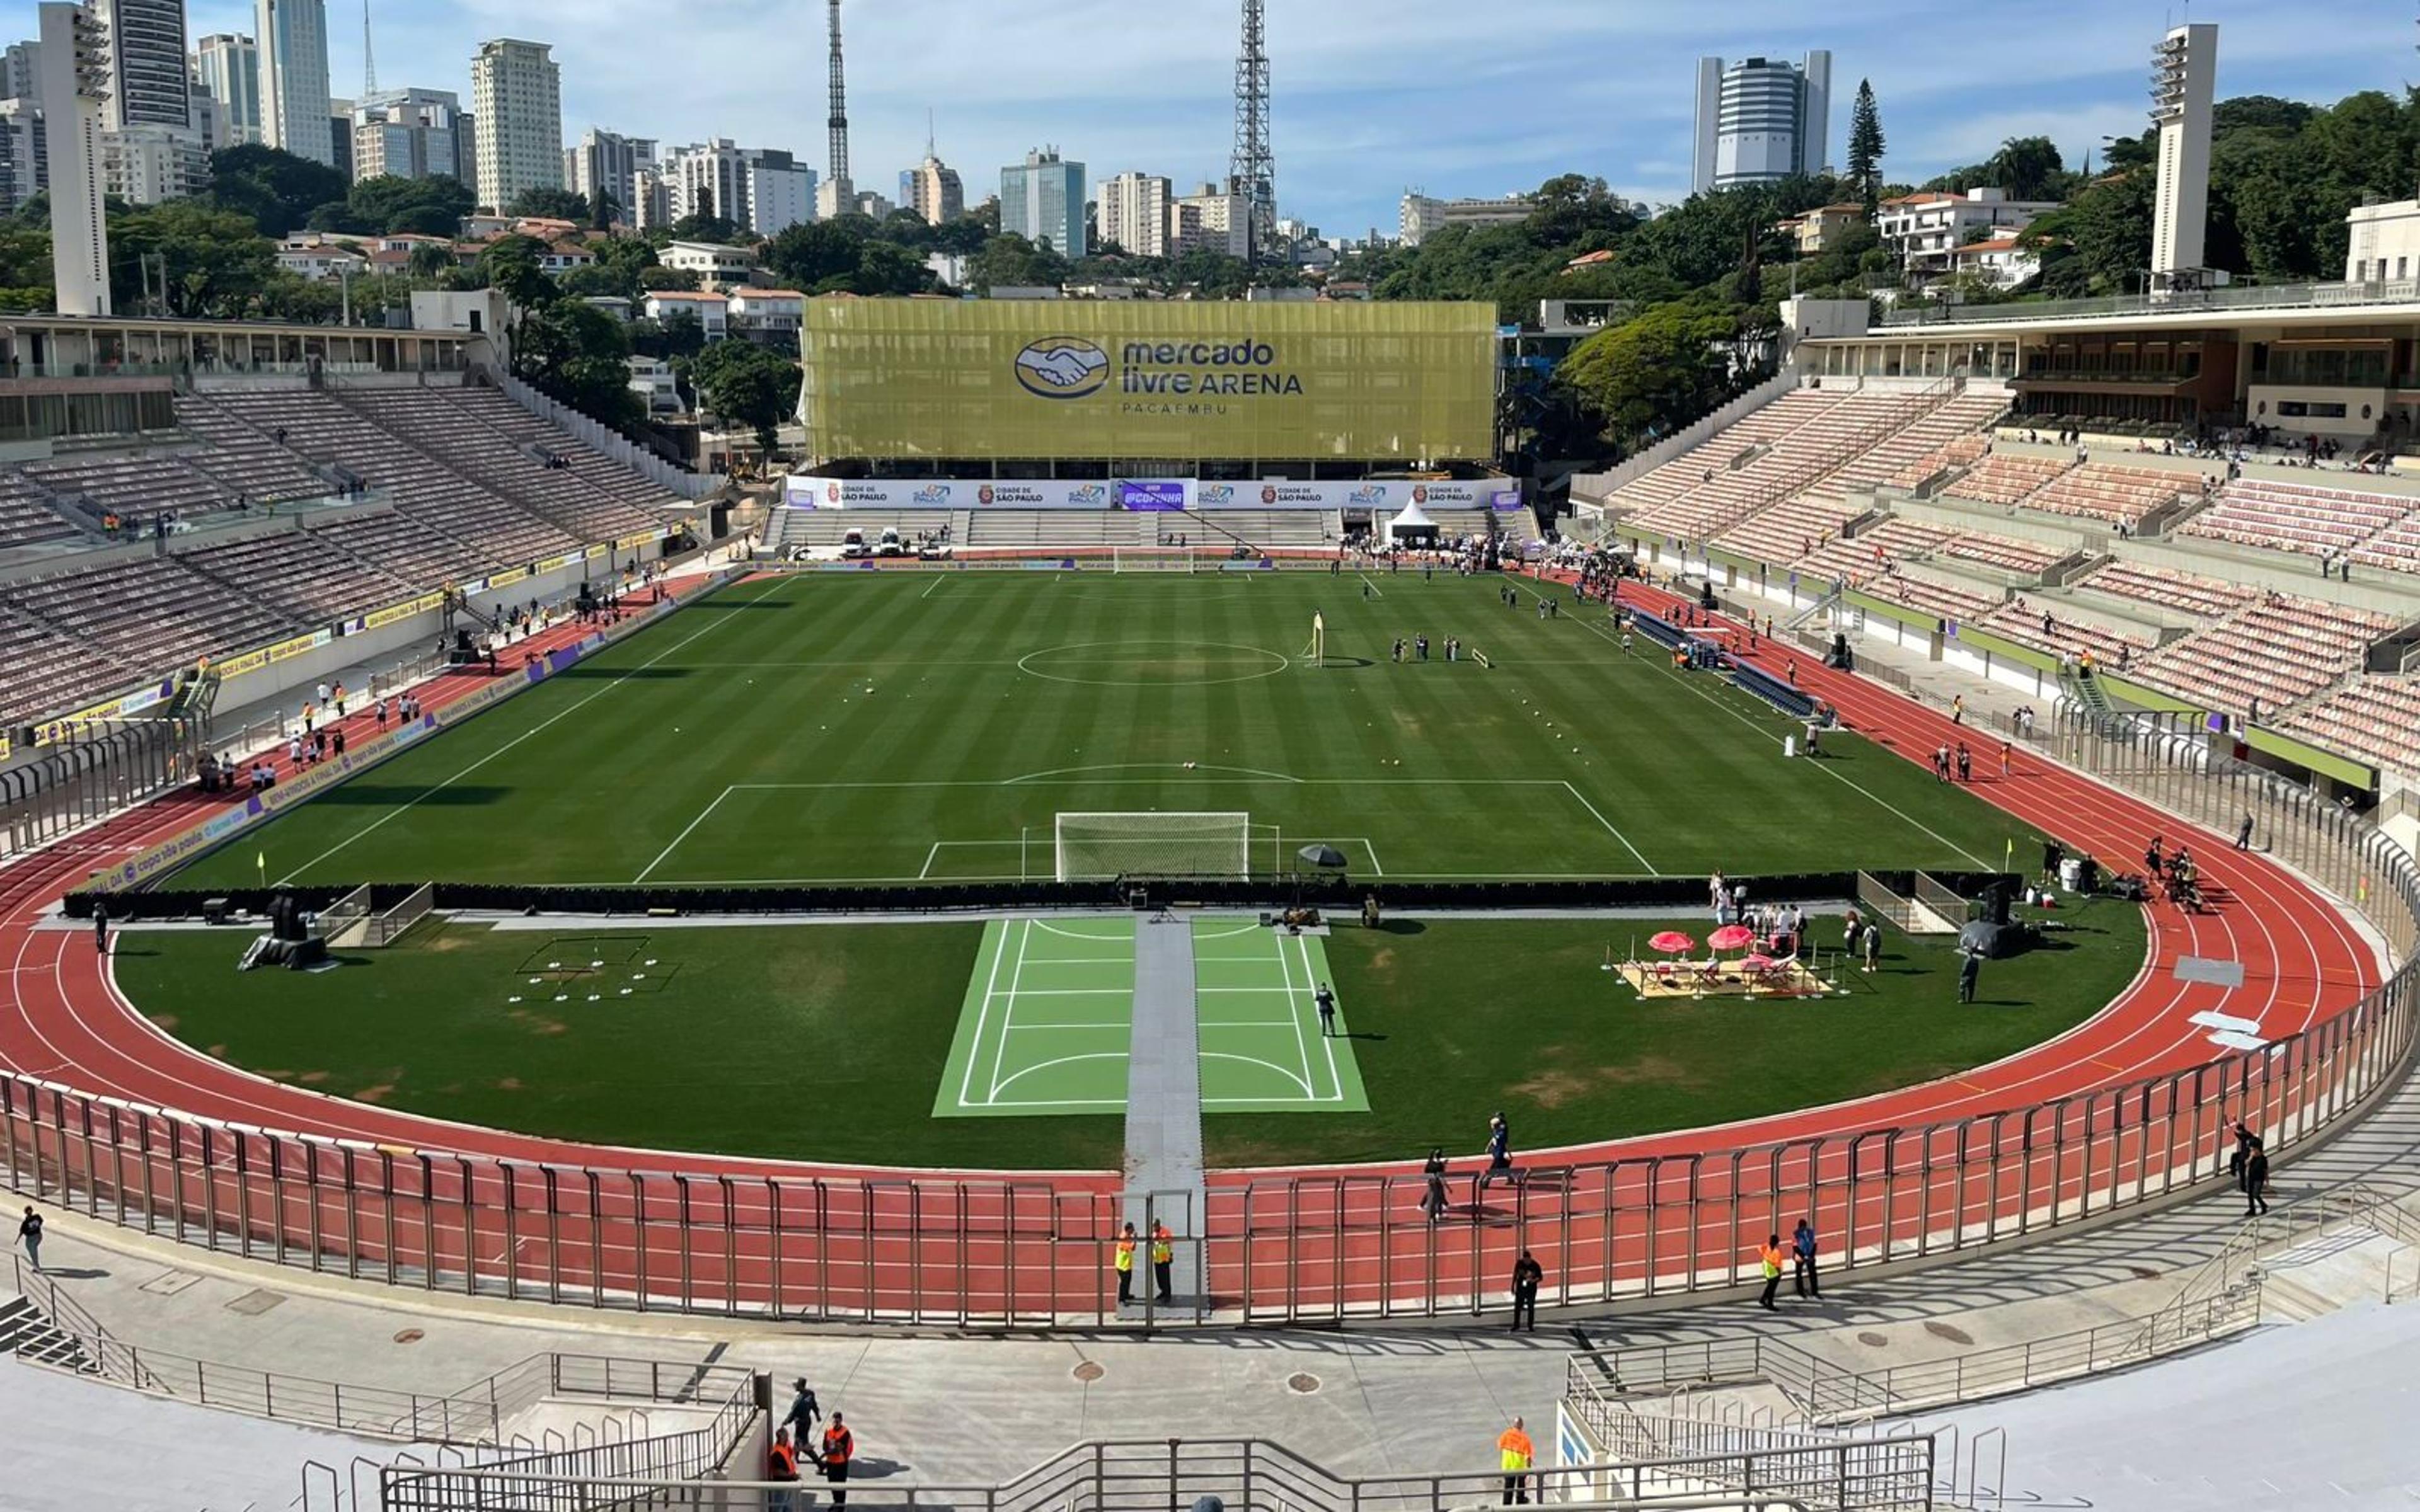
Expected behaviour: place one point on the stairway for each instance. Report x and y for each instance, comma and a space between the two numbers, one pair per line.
28, 1334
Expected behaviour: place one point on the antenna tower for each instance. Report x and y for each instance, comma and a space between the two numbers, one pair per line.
1252, 172
369, 63
839, 122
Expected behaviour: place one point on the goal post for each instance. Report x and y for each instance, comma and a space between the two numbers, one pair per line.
1151, 843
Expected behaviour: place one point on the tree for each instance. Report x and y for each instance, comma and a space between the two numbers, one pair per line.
386, 204
1866, 147
27, 283
511, 264
815, 252
1657, 372
215, 263
546, 203
2028, 167
747, 385
576, 352
277, 188
429, 260
702, 227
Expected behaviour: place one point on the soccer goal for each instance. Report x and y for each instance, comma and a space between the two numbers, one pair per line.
1153, 844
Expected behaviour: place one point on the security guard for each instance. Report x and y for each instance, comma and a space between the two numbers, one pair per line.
1516, 1454
839, 1448
1771, 1261
1124, 1263
1163, 1252
782, 1466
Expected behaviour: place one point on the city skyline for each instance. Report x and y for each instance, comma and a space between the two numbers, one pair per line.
1358, 115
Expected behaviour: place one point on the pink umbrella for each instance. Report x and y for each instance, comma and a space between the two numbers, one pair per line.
1671, 942
1731, 937
1757, 963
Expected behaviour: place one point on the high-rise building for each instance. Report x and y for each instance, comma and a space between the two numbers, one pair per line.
764, 190
148, 68
340, 136
75, 73
608, 163
517, 94
1761, 119
932, 189
21, 72
294, 110
1041, 200
650, 200
466, 150
1212, 219
2183, 83
407, 133
24, 172
1422, 216
1135, 213
781, 191
228, 66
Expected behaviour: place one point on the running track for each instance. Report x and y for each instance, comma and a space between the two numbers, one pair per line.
2114, 1110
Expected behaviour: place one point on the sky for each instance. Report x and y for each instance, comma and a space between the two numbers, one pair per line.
1371, 97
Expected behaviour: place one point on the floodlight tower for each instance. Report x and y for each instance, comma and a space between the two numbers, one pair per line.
1253, 170
74, 84
2184, 73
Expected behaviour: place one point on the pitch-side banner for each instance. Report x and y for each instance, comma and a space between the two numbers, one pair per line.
1180, 380
803, 491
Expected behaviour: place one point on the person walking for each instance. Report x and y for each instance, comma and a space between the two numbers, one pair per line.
1769, 1261
2255, 1182
840, 1447
1958, 709
1325, 999
782, 1468
2246, 1143
1514, 1455
1432, 1200
1970, 972
2244, 835
29, 1233
1163, 1257
1526, 1276
100, 927
1802, 1261
805, 1413
1122, 1259
1499, 1155
2005, 751
1965, 764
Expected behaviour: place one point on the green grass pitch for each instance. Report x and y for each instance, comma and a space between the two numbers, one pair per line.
881, 725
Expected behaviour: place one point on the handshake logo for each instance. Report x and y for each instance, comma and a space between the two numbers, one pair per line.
1062, 367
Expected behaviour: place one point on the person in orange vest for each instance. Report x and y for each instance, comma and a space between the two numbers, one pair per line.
782, 1464
1771, 1261
839, 1448
1516, 1454
1123, 1261
1163, 1254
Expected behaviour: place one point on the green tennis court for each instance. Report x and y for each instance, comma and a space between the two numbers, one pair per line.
1047, 1022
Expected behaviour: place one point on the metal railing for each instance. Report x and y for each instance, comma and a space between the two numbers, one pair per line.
2247, 298
1596, 1381
1257, 1475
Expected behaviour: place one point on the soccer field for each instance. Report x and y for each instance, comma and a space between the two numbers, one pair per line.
877, 726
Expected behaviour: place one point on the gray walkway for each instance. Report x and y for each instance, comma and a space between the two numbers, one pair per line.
1163, 1168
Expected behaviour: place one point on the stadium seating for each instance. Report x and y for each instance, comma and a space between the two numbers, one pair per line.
2165, 589
2376, 719
2002, 478
1962, 418
601, 473
298, 573
135, 487
2275, 653
1957, 453
123, 621
1676, 479
1865, 555
25, 519
242, 459
2039, 625
1833, 434
405, 550
2099, 490
41, 672
2299, 518
1939, 600
1788, 531
2028, 559
826, 527
512, 467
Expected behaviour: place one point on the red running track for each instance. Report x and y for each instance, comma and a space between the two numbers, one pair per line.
2117, 1110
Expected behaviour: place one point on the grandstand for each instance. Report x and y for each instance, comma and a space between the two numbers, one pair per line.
2376, 718
2268, 657
2304, 519
2002, 478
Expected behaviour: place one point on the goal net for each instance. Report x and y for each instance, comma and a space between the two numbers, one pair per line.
1153, 844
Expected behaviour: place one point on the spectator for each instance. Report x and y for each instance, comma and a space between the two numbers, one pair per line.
29, 1233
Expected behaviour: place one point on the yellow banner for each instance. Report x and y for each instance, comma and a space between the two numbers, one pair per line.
51, 732
506, 579
599, 550
639, 538
380, 619
1097, 379
564, 560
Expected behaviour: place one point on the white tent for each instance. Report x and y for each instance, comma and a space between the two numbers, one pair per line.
1414, 521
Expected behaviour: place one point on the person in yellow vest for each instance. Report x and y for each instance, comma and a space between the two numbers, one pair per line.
1163, 1254
1516, 1454
1124, 1260
1771, 1261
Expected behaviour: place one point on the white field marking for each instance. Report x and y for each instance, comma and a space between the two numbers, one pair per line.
983, 1016
939, 579
1294, 1006
1375, 592
1078, 934
1245, 1024
651, 866
1308, 1095
1825, 767
1335, 1078
1008, 1010
1608, 827
563, 714
1247, 773
1046, 1065
926, 869
1032, 993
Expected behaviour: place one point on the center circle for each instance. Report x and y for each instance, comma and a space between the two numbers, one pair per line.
1152, 663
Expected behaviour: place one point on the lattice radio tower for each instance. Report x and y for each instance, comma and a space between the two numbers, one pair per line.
839, 122
1252, 172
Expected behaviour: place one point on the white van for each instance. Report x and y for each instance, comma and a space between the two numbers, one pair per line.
852, 544
892, 545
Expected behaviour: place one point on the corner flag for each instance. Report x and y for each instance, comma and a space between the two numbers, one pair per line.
260, 859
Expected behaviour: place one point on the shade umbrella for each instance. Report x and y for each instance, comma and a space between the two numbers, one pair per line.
1671, 942
1321, 858
1757, 963
1730, 938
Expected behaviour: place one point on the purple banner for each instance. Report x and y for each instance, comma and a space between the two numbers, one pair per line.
1506, 499
1149, 496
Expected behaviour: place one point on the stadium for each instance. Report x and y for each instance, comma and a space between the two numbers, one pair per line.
1151, 863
